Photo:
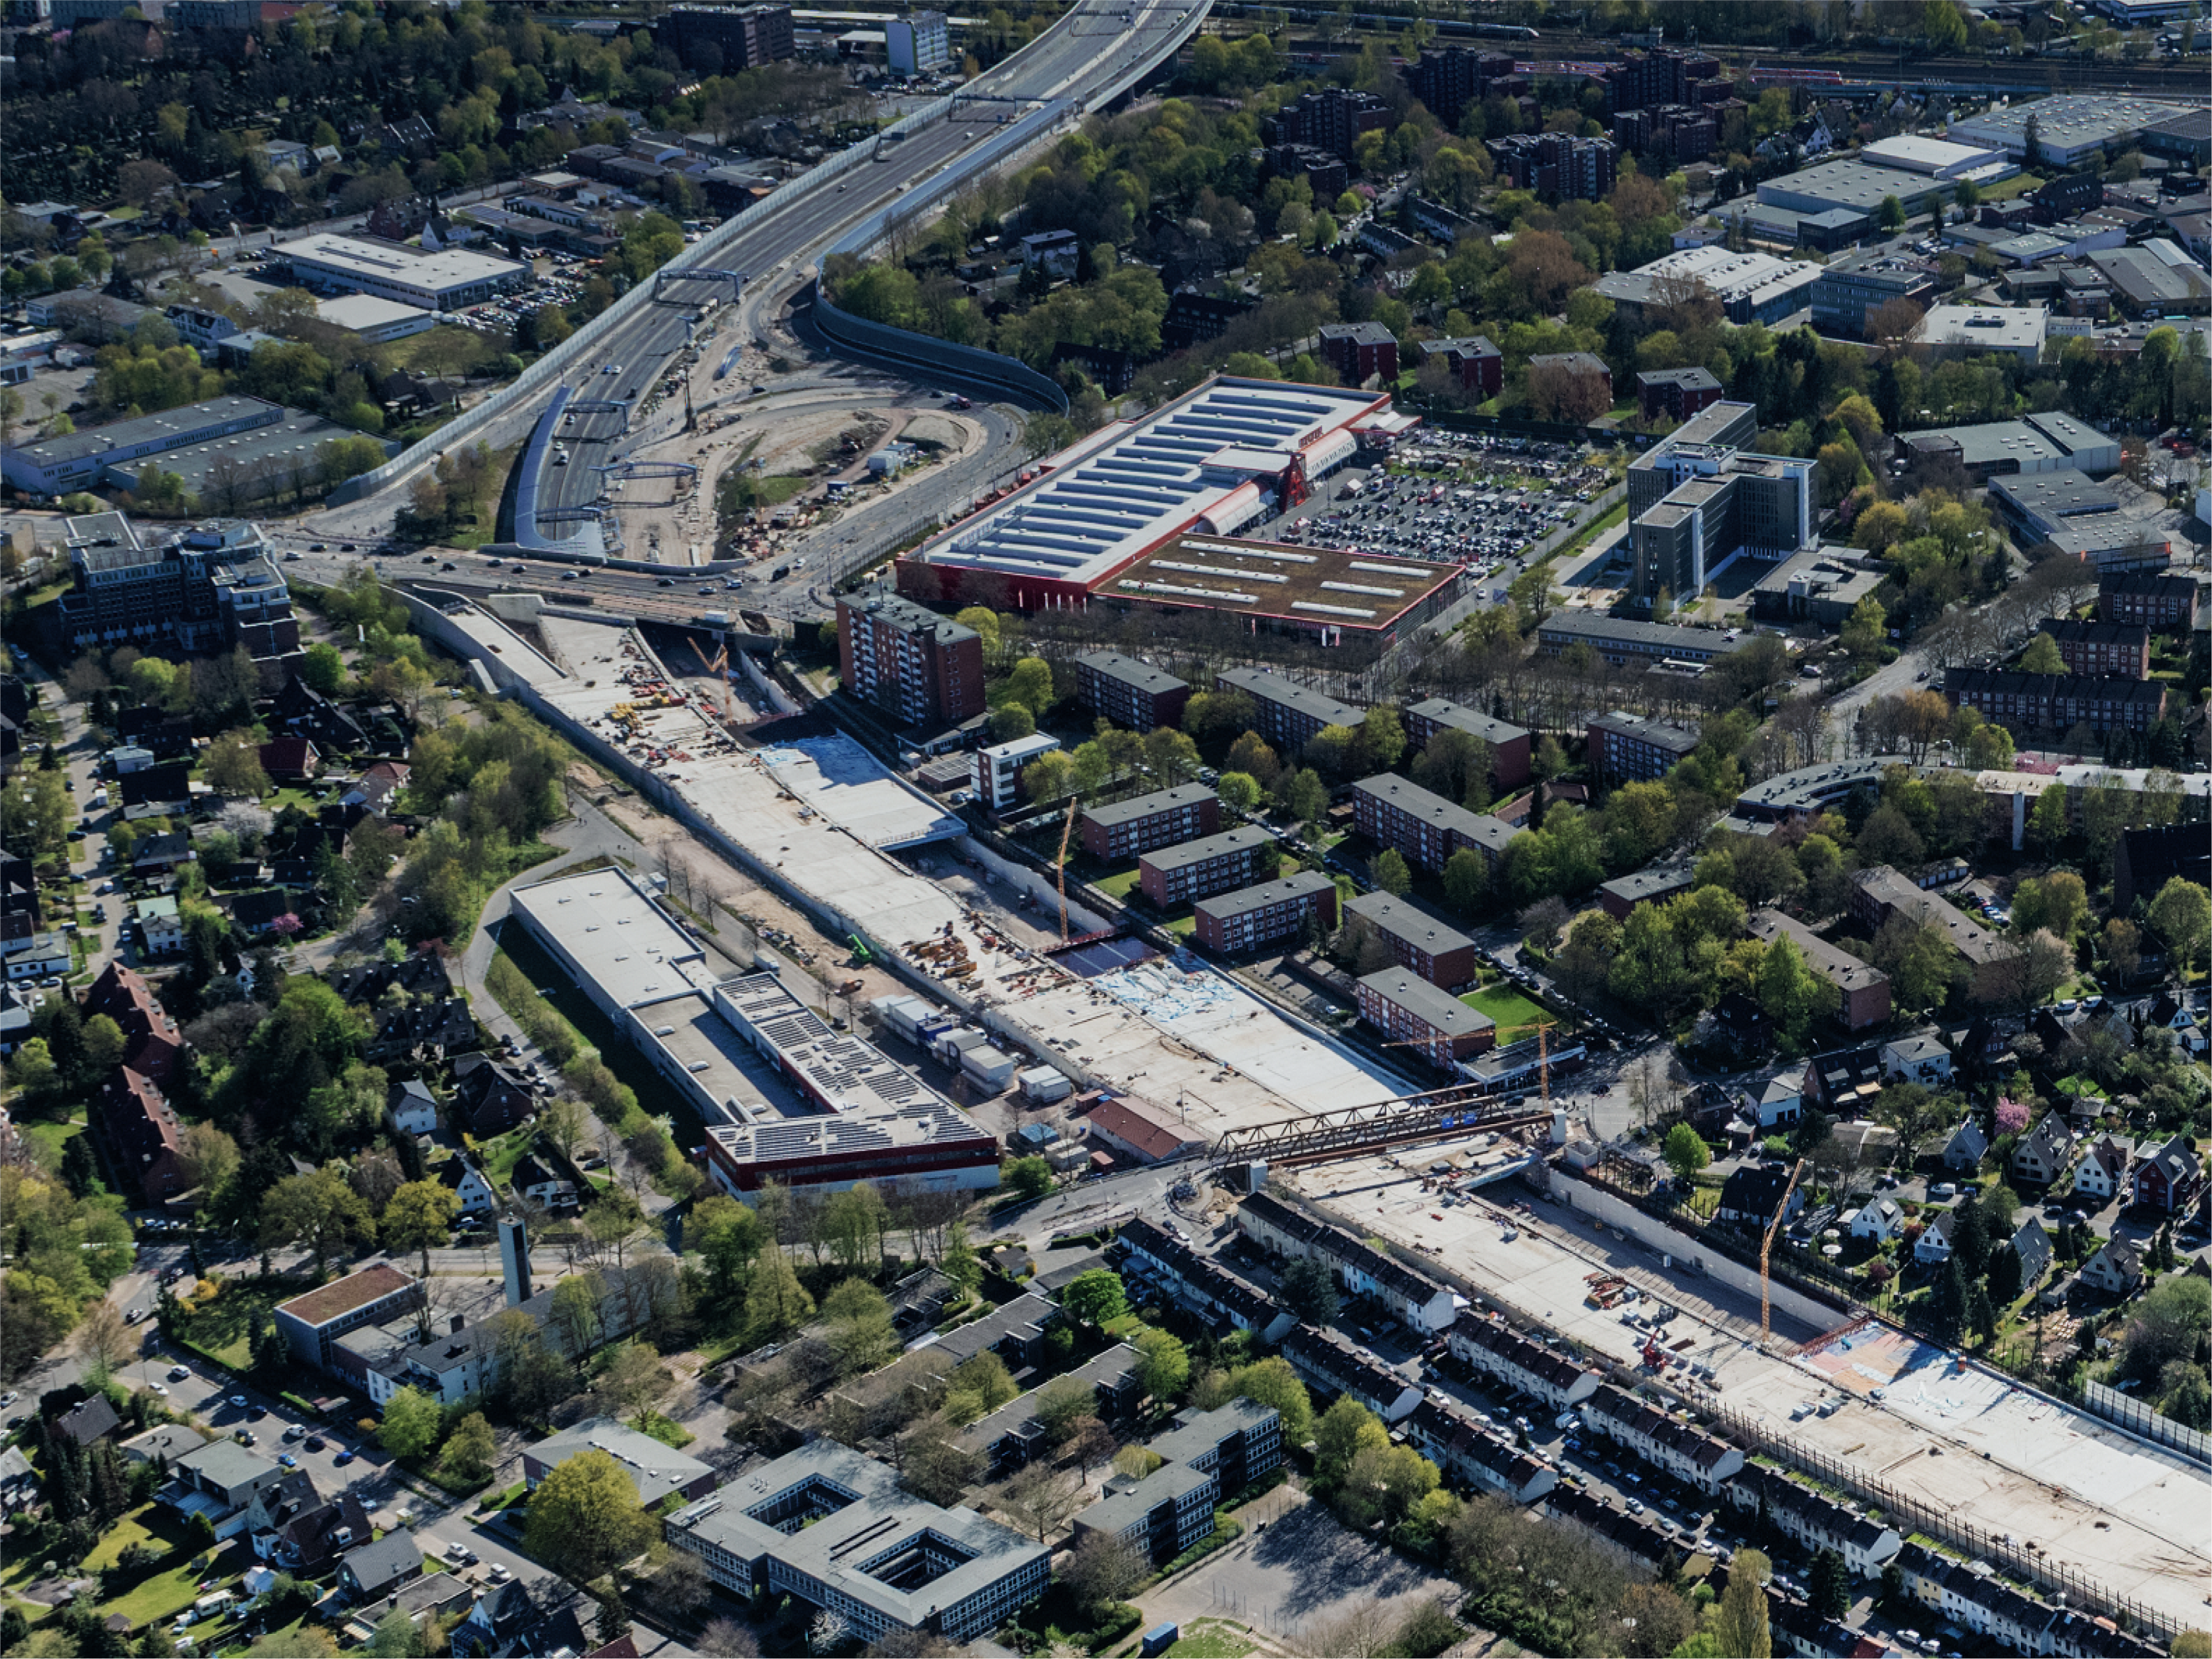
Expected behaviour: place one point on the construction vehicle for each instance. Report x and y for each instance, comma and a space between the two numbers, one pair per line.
1061, 867
861, 955
1766, 1250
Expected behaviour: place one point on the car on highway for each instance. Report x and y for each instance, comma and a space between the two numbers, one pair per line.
664, 581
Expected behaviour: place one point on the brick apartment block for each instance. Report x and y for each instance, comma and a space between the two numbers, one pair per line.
1443, 955
2103, 647
1290, 714
923, 669
1509, 743
2155, 598
1635, 749
1124, 828
1128, 692
1861, 989
2105, 702
1406, 1008
1425, 828
1267, 911
1235, 858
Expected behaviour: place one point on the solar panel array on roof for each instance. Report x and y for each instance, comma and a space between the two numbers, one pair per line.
1151, 479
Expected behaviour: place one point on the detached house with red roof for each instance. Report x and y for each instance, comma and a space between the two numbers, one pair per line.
290, 760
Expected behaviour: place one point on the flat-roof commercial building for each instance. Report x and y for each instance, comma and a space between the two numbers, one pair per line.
1124, 828
2069, 127
450, 279
836, 1530
2015, 331
917, 43
1823, 586
612, 939
312, 1324
1291, 715
1409, 1011
87, 459
1861, 989
2058, 703
2044, 442
1425, 828
1621, 641
723, 40
1938, 158
1626, 748
2102, 648
2035, 507
1853, 186
1750, 287
1323, 595
655, 1468
2156, 279
923, 669
1846, 293
375, 320
1223, 455
1509, 743
1266, 912
1190, 871
1128, 692
1416, 940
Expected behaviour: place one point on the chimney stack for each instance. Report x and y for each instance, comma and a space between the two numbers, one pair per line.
515, 1259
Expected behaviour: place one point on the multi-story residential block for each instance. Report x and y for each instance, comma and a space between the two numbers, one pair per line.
2145, 859
999, 769
2028, 703
1010, 1437
1637, 749
1266, 912
1861, 989
143, 1137
1471, 359
1509, 743
1412, 1013
203, 589
1450, 78
1207, 1457
1576, 366
920, 668
1682, 1450
1423, 827
1188, 872
1441, 954
1676, 394
1124, 828
723, 40
1328, 1362
1558, 167
2102, 648
1495, 1349
1198, 1283
1619, 897
1477, 1454
1816, 1521
1880, 893
1331, 119
1359, 351
2158, 599
1128, 692
1410, 1295
1290, 715
836, 1530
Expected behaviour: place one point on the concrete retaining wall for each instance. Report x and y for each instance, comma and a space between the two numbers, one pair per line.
1653, 1234
934, 358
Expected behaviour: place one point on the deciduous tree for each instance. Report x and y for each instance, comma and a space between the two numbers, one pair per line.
585, 1519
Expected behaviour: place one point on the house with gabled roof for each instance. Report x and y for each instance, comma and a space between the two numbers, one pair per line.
2040, 1155
1967, 1148
2116, 1270
2031, 1245
1682, 1450
1933, 1248
1492, 1346
412, 1108
2102, 1172
468, 1184
1476, 1454
2170, 1178
1816, 1521
1200, 1285
1880, 1219
1408, 1293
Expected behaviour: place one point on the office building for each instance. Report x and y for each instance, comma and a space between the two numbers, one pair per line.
1617, 640
1847, 292
1824, 586
917, 43
1291, 715
1236, 858
723, 40
448, 279
1721, 426
1509, 743
836, 1530
2102, 648
1627, 748
999, 769
2013, 331
1414, 1014
2058, 703
1439, 954
1697, 501
1131, 693
1124, 828
199, 589
1266, 912
656, 1469
922, 669
311, 1325
1425, 828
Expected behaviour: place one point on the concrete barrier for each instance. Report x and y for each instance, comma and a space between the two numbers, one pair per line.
881, 343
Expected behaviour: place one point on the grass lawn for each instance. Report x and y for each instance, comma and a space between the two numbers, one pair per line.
2078, 1084
150, 1525
49, 1141
668, 1432
1212, 1639
162, 1595
225, 1327
1119, 886
501, 1155
1509, 1008
1182, 926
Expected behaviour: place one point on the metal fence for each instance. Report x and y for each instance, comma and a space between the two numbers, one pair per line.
2141, 1417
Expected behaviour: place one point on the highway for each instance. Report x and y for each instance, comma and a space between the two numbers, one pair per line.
1097, 43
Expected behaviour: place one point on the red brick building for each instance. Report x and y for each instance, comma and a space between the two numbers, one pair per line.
2155, 598
143, 1137
1443, 955
1182, 874
1266, 912
1125, 828
1676, 394
1473, 360
1359, 350
151, 1044
1423, 827
2103, 647
2169, 1179
1129, 692
1509, 743
920, 668
1407, 1009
